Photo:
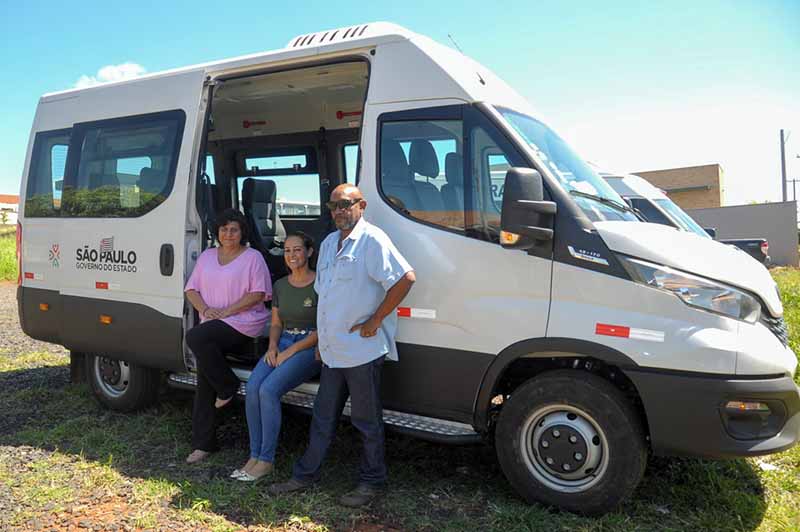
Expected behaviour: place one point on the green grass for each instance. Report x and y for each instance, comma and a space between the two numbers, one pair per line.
788, 280
8, 256
433, 487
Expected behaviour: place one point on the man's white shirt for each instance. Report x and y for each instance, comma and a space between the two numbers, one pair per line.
352, 283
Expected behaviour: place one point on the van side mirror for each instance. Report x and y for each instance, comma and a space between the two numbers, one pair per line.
525, 218
712, 232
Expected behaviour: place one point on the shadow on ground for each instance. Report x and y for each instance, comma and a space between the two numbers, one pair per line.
432, 486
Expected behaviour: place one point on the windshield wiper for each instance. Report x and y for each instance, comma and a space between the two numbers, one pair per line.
607, 201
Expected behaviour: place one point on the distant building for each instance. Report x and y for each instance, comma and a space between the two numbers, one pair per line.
693, 187
297, 208
9, 207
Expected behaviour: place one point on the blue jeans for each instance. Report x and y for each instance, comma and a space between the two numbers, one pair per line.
265, 388
363, 385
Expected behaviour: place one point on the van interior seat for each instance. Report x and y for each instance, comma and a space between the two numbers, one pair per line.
151, 180
397, 181
266, 229
423, 161
103, 180
453, 190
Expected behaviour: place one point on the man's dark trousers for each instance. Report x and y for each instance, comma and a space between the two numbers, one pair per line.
363, 384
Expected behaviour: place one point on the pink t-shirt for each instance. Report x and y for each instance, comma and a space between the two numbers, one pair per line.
222, 286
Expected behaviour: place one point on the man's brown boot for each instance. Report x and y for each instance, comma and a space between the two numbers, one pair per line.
289, 486
361, 496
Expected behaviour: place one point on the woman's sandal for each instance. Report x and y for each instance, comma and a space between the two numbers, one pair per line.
247, 477
220, 403
197, 456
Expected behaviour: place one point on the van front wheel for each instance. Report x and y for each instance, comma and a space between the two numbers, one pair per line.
121, 385
571, 440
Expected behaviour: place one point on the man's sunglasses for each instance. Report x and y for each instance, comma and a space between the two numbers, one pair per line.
343, 204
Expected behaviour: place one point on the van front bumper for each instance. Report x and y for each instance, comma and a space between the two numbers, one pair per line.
687, 413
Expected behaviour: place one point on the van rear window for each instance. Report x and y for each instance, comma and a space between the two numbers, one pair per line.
46, 176
125, 167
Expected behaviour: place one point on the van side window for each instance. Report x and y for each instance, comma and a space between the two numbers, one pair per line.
421, 170
46, 176
125, 167
445, 171
210, 170
490, 156
488, 168
295, 177
650, 211
350, 155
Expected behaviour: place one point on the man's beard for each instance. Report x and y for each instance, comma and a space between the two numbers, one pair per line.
345, 224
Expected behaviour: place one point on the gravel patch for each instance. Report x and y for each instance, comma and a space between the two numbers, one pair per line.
12, 340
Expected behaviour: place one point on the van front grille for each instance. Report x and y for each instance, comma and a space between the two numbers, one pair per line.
777, 326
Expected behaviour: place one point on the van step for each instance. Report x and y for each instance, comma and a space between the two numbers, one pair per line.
423, 427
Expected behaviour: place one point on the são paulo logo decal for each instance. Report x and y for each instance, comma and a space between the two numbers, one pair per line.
54, 256
105, 257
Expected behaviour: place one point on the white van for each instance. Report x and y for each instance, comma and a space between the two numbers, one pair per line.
541, 319
652, 203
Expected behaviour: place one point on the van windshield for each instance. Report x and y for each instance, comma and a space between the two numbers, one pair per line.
680, 217
592, 194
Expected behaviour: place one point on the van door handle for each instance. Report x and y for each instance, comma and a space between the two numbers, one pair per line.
166, 259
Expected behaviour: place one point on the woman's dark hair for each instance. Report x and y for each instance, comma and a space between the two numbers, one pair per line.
232, 215
308, 242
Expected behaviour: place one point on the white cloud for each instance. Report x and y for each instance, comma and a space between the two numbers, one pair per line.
111, 73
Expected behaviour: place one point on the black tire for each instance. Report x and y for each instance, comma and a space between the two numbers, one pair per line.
587, 429
120, 385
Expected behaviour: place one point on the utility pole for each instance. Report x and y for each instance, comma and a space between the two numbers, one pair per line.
783, 165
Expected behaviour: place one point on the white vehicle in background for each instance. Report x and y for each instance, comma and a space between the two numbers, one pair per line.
652, 203
542, 320
656, 207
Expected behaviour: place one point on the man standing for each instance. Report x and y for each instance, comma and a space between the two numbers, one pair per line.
361, 278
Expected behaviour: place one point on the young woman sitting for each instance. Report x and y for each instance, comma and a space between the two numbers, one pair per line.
289, 360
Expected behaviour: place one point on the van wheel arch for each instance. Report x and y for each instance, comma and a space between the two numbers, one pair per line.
121, 385
528, 358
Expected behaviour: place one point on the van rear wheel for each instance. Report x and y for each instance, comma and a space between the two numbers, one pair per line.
121, 385
571, 440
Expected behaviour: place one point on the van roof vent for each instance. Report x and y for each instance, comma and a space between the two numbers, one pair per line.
316, 39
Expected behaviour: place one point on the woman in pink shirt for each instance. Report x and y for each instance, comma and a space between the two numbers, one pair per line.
228, 288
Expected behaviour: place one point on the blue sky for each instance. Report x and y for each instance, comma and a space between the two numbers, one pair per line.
633, 86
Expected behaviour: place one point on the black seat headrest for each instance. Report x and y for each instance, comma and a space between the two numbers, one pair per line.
258, 190
454, 168
423, 158
394, 166
151, 180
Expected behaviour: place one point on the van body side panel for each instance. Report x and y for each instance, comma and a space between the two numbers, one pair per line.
36, 322
434, 381
137, 333
651, 327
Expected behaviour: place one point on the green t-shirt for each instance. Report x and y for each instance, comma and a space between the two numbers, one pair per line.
297, 306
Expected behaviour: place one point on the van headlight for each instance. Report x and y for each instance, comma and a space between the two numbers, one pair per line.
695, 291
